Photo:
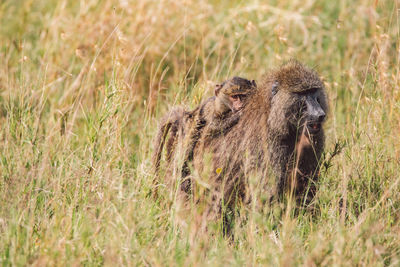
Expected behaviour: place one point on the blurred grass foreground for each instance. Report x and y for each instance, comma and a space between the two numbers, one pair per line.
83, 83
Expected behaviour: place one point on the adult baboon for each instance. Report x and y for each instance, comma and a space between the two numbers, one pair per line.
278, 138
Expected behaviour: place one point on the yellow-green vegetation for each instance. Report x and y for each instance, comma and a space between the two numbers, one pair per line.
83, 83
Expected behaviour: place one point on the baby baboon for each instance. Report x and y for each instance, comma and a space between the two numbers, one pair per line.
217, 115
280, 140
230, 96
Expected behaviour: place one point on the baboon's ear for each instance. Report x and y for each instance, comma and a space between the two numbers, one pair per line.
217, 88
274, 88
253, 83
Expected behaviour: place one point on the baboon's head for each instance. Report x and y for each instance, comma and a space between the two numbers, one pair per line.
234, 92
297, 97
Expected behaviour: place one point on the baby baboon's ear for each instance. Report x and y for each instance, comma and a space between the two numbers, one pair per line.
217, 88
253, 83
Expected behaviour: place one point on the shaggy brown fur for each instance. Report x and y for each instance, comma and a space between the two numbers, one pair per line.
274, 139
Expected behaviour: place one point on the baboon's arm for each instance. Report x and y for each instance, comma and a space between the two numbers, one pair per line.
221, 126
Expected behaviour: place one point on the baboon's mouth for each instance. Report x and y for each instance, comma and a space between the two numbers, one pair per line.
314, 127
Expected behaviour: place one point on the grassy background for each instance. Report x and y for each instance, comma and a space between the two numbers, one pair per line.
83, 83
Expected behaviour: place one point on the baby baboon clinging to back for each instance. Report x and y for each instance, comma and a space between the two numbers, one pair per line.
220, 112
230, 97
217, 115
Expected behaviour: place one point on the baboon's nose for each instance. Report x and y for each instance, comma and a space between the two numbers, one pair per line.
318, 117
321, 117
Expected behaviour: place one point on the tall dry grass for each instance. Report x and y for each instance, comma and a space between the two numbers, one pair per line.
82, 84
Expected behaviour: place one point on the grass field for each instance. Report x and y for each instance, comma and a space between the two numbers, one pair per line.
83, 83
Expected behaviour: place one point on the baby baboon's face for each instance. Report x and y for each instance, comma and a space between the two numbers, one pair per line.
233, 92
237, 101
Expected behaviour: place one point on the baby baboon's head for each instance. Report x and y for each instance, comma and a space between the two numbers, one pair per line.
233, 92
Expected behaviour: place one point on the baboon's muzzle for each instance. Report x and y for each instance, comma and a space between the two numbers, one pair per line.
315, 114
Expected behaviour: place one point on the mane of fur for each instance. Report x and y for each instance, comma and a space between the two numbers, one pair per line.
295, 77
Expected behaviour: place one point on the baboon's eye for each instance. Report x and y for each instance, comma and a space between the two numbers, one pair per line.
238, 97
311, 91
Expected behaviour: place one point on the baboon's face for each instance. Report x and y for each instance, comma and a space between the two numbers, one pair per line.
312, 112
302, 110
233, 92
237, 101
233, 100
